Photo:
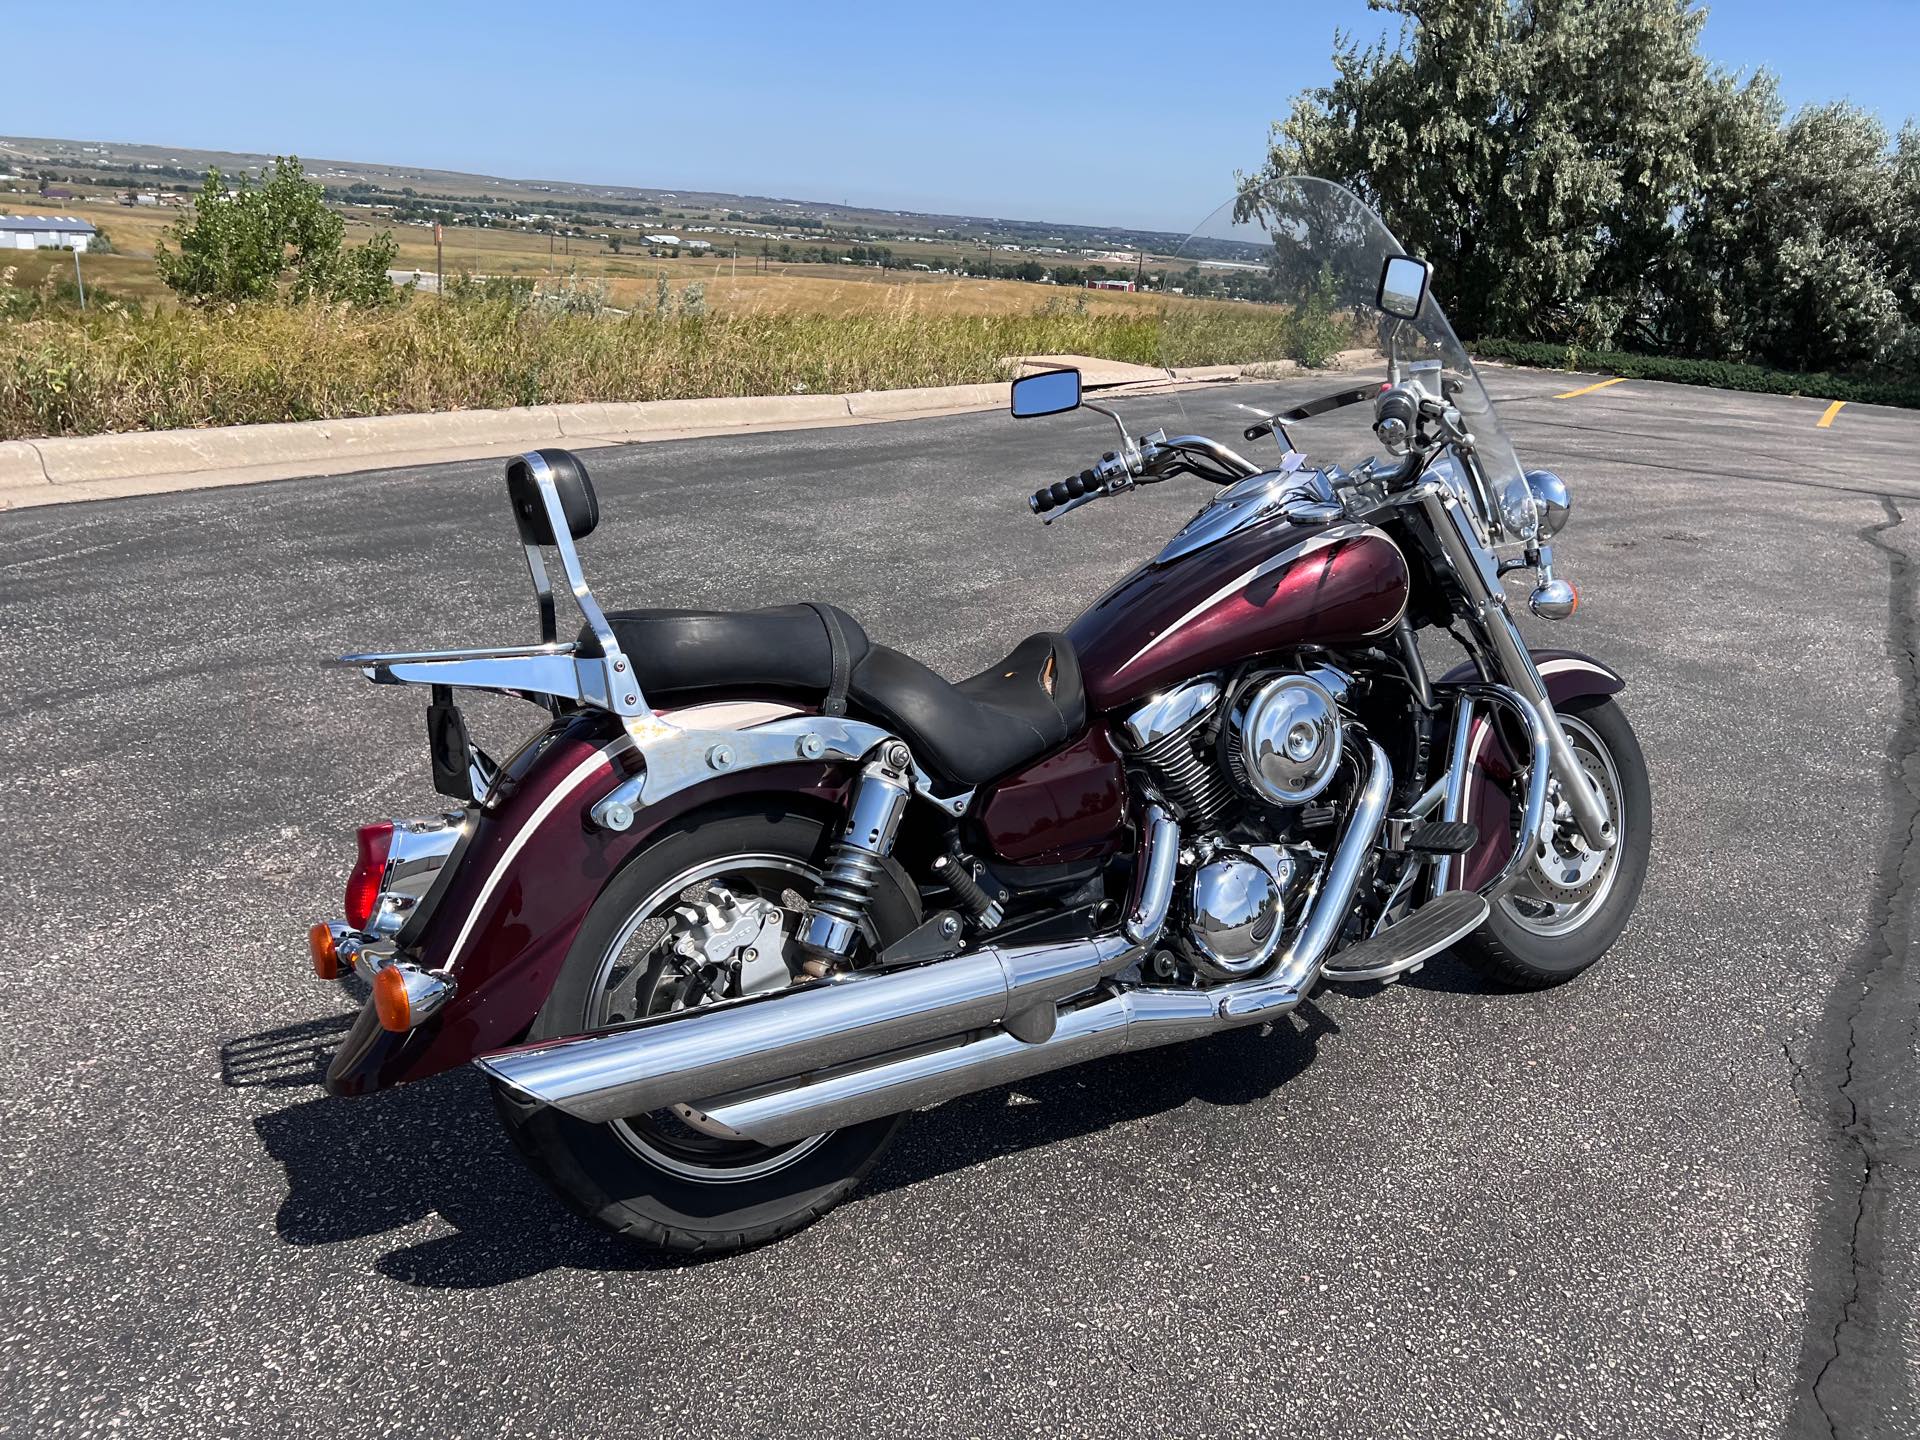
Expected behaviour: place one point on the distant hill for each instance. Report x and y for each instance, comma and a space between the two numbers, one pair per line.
173, 167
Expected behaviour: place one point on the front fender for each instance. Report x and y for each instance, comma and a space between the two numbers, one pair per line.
532, 870
1568, 676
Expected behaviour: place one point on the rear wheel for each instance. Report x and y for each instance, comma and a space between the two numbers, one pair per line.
1567, 903
705, 913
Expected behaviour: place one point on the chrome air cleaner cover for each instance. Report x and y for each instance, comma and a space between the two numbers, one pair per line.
1288, 734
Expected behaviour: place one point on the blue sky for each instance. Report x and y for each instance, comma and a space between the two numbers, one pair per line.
1120, 112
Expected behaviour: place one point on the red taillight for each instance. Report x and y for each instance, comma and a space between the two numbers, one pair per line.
363, 886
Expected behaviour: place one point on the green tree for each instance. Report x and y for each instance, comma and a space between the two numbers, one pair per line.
1579, 173
271, 241
1530, 148
1828, 291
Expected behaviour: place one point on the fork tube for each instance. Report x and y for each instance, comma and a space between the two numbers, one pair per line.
1479, 578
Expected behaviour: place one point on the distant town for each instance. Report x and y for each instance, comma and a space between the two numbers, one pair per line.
41, 179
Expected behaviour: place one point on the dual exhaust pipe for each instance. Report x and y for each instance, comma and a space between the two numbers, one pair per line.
780, 1067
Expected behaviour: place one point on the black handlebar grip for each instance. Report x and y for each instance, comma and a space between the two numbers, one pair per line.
1061, 491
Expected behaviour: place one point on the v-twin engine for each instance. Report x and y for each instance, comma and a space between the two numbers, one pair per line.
1276, 740
1235, 765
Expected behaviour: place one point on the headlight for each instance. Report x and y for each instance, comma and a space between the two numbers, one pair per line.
1550, 501
1519, 514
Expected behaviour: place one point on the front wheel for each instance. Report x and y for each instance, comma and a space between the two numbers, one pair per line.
705, 913
1567, 904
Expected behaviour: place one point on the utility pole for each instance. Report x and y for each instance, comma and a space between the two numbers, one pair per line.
79, 284
439, 263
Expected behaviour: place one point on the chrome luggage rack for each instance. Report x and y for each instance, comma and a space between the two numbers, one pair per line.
548, 673
562, 676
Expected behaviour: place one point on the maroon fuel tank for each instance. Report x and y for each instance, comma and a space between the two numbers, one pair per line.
1268, 586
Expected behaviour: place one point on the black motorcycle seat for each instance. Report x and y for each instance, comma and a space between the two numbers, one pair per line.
967, 732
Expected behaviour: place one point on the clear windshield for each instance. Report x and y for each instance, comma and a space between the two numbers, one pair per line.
1282, 282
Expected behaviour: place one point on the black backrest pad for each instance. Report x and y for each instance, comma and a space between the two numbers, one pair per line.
577, 500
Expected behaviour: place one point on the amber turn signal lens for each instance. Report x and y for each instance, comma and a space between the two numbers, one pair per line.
326, 957
390, 1000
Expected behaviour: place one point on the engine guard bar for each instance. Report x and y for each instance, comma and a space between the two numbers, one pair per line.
1539, 764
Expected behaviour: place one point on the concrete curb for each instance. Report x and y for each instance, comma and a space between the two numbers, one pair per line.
94, 467
20, 467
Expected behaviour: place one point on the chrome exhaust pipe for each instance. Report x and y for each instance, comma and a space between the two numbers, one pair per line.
1132, 1020
764, 1039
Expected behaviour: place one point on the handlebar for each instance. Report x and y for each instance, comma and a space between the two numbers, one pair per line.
1153, 459
1403, 413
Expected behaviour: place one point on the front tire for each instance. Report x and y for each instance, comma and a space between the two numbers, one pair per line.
1567, 905
663, 1179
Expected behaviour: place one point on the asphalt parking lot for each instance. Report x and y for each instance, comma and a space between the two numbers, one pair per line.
1676, 1198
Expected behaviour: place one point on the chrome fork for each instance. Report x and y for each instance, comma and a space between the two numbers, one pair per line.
1479, 577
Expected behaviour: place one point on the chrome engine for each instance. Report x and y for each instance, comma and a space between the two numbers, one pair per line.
1275, 741
1168, 738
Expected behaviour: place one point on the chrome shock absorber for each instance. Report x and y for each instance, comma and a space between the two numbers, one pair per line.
839, 908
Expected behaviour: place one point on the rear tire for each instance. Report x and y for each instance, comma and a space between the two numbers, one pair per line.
1529, 941
689, 1192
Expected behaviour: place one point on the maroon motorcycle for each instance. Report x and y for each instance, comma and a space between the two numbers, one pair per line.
760, 886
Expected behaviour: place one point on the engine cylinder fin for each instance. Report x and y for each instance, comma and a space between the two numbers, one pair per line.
1197, 786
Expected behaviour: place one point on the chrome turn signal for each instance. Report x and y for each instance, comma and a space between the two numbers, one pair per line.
1555, 600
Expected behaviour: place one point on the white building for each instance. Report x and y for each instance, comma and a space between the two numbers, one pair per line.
45, 232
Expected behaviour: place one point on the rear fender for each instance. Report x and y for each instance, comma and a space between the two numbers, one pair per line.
535, 865
1486, 801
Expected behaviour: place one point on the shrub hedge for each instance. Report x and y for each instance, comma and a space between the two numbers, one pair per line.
1902, 390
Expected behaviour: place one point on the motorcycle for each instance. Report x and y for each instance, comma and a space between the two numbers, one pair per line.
759, 886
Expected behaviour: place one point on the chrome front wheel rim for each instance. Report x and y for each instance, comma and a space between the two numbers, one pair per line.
1564, 883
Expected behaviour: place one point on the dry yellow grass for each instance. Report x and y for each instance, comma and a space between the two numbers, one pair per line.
64, 373
773, 330
742, 285
738, 286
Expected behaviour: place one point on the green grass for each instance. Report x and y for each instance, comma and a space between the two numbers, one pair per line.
67, 373
1894, 389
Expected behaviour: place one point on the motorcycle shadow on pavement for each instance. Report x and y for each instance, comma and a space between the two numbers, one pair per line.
1237, 1067
433, 1152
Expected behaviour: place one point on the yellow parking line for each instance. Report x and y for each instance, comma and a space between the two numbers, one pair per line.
1826, 420
1588, 390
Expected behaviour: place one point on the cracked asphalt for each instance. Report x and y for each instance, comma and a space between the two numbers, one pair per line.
1679, 1197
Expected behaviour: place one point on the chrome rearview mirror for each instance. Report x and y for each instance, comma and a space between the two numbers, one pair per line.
1403, 285
1051, 392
